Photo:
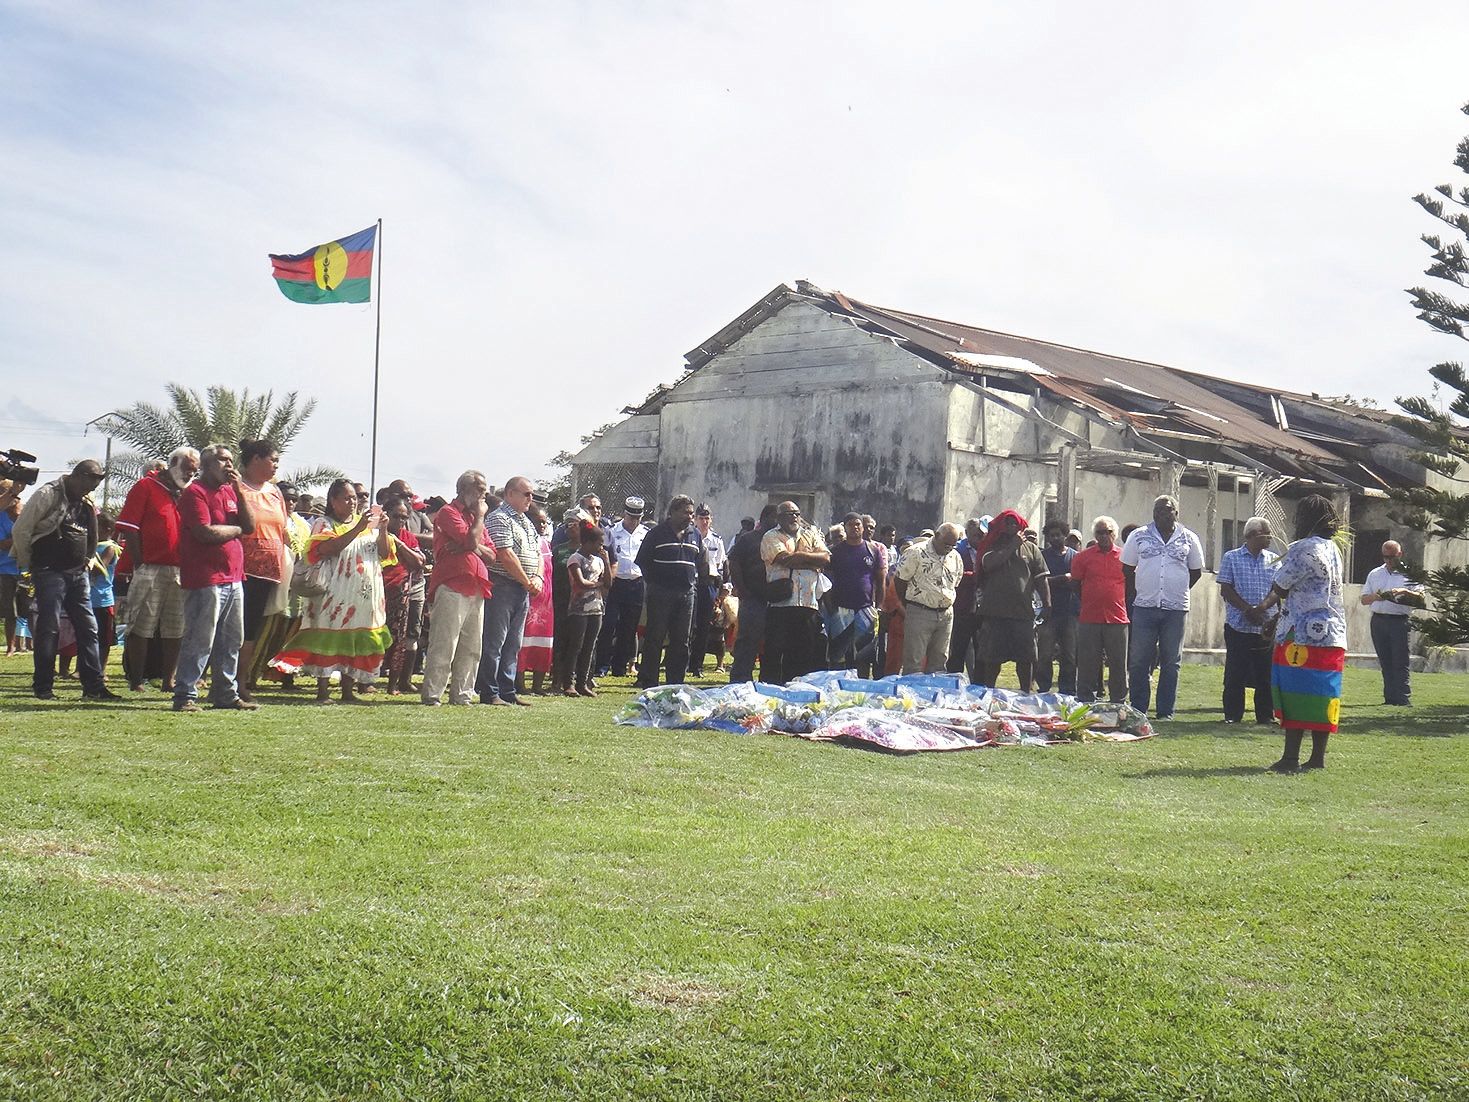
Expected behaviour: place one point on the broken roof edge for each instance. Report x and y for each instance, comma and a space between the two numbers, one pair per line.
769, 304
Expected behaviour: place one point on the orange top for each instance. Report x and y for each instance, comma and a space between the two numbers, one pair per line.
265, 548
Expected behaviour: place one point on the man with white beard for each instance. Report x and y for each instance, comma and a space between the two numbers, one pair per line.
149, 528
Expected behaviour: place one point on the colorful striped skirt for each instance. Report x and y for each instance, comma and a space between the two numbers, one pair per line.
1306, 685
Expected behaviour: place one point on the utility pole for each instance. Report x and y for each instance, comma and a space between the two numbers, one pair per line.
107, 462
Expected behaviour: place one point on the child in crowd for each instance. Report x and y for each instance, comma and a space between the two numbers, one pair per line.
23, 604
723, 624
591, 577
102, 572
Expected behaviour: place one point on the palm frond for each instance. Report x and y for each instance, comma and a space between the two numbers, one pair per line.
192, 416
224, 415
289, 419
309, 478
253, 415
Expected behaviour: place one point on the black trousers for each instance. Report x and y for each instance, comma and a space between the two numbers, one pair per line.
617, 644
795, 644
670, 619
1247, 659
966, 624
703, 614
1390, 641
578, 642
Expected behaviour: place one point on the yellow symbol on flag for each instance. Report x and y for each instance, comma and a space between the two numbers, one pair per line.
1295, 654
1333, 711
330, 265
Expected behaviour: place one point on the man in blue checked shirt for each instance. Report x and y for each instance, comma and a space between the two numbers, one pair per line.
1245, 575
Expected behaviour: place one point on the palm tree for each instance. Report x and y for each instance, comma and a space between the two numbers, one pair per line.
221, 417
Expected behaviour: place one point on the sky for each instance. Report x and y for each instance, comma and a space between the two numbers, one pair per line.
573, 195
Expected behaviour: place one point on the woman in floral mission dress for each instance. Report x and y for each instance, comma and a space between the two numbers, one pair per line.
344, 629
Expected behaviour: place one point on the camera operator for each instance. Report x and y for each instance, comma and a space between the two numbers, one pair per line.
9, 571
54, 539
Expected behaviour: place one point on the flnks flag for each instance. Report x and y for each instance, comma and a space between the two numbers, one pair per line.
339, 271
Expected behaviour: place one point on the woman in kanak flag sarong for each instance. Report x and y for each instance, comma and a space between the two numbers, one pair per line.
1310, 637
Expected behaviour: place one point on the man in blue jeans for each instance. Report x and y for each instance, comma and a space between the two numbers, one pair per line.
213, 515
1162, 561
54, 538
515, 577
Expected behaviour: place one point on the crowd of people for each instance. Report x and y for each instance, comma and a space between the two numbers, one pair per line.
225, 571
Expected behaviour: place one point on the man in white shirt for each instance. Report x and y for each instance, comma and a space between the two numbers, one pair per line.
1163, 561
1390, 622
617, 643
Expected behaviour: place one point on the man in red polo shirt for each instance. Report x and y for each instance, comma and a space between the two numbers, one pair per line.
149, 527
458, 586
213, 515
1097, 571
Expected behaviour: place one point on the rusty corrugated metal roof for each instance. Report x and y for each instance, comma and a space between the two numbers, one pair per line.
1133, 391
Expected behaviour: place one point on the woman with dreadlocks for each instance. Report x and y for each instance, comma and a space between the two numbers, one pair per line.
1311, 636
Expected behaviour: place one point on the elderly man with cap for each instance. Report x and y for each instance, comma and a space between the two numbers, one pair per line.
617, 643
588, 507
54, 539
1385, 592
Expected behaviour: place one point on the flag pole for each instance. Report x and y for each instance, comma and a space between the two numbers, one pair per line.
377, 348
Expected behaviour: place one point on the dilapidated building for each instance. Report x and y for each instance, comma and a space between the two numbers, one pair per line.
839, 405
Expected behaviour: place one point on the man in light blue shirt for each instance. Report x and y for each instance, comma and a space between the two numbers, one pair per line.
1245, 576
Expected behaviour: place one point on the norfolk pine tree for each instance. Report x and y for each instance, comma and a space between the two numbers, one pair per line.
1442, 513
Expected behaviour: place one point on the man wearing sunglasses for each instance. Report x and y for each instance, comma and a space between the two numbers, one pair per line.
795, 640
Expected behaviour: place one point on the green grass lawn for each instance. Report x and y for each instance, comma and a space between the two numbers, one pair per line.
397, 902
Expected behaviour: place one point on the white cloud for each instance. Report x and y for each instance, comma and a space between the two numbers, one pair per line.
574, 195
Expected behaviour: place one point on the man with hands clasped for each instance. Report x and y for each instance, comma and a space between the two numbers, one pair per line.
457, 592
213, 515
515, 577
1245, 576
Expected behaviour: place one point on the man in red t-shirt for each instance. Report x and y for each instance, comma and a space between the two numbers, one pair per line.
457, 590
213, 515
1097, 572
149, 527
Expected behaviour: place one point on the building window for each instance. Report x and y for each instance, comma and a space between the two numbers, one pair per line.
1231, 535
1367, 551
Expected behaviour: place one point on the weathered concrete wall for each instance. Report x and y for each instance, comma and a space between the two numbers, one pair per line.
1203, 641
807, 404
632, 440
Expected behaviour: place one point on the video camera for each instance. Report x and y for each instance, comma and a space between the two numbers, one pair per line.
13, 466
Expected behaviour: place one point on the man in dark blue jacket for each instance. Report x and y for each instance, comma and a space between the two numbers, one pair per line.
672, 560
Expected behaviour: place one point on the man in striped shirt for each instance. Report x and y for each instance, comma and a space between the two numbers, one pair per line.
672, 559
515, 577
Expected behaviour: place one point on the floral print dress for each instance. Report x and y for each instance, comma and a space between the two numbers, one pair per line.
343, 630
